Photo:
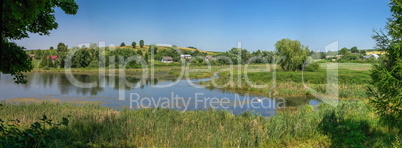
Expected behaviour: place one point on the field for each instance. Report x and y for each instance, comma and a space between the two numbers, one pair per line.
353, 80
350, 124
375, 52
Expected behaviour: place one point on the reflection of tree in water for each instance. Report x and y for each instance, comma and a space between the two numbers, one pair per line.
88, 79
115, 82
46, 79
120, 83
65, 85
31, 77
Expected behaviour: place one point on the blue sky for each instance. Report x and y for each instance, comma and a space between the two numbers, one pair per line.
217, 25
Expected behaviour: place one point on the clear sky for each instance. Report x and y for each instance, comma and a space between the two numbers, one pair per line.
217, 25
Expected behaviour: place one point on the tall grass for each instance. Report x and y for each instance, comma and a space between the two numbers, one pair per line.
348, 124
351, 83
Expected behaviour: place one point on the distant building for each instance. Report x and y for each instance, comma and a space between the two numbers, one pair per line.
52, 57
375, 56
185, 56
32, 56
209, 58
334, 57
167, 59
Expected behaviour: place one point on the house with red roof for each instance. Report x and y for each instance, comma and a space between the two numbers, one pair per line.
52, 57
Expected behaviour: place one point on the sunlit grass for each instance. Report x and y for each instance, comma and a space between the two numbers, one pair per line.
95, 126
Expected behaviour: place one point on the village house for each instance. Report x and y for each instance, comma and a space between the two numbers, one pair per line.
52, 57
167, 59
209, 58
185, 56
32, 56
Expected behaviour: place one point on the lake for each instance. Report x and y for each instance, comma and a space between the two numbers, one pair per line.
116, 93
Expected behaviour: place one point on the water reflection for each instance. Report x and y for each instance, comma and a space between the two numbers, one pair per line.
57, 86
60, 80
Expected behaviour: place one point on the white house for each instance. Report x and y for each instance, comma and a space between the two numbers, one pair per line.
167, 60
375, 56
185, 56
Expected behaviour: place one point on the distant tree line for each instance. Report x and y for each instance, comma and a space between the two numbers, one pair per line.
289, 54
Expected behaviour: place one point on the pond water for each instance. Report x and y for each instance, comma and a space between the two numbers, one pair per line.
113, 92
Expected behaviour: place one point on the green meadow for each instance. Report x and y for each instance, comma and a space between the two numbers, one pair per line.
353, 80
350, 124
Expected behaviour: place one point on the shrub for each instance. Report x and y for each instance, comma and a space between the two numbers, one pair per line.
312, 67
38, 135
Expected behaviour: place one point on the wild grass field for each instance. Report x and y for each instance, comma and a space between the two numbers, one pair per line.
350, 124
353, 80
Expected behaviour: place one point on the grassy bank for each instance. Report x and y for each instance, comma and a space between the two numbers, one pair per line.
350, 124
353, 80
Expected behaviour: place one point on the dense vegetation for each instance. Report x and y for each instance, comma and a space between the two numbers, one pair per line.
387, 75
20, 18
286, 58
350, 124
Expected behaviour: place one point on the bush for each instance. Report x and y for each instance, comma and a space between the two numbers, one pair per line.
38, 135
312, 67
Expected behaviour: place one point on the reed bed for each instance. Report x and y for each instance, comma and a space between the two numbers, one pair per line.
351, 123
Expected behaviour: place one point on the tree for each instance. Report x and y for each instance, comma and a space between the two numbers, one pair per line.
14, 60
44, 60
51, 48
387, 74
125, 53
146, 57
141, 43
133, 44
61, 47
61, 53
139, 52
38, 54
122, 44
49, 62
363, 52
354, 50
323, 55
293, 54
20, 18
343, 51
153, 49
82, 58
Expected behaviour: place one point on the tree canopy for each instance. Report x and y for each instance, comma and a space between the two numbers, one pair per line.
354, 50
142, 43
343, 51
292, 54
20, 17
133, 44
387, 74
